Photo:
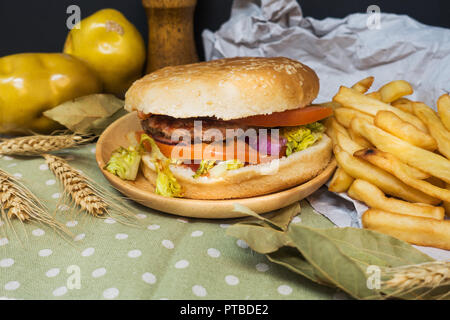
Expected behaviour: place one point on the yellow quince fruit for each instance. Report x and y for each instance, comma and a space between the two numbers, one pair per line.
110, 45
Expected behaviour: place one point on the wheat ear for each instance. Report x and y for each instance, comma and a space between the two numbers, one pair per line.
421, 276
38, 144
17, 201
77, 186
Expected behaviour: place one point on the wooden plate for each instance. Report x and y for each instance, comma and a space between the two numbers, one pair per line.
143, 192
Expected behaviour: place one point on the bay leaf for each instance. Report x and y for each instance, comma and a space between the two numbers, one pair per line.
343, 254
292, 259
88, 114
259, 238
329, 260
278, 219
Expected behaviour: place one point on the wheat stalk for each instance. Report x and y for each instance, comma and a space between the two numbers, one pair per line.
77, 186
17, 201
38, 144
428, 275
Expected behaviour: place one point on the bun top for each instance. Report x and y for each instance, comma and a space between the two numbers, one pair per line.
227, 89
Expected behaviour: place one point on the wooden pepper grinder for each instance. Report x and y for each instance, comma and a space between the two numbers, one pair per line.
171, 33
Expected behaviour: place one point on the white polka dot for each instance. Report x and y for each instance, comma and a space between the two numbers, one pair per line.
134, 253
111, 293
199, 291
93, 150
12, 285
297, 219
182, 264
110, 220
50, 182
98, 272
3, 241
7, 262
43, 167
56, 195
149, 278
168, 244
45, 252
60, 291
64, 207
1, 223
71, 223
224, 225
153, 227
262, 267
231, 280
197, 233
12, 165
242, 244
7, 158
17, 175
141, 216
284, 290
121, 236
214, 253
79, 237
38, 232
88, 252
52, 272
182, 220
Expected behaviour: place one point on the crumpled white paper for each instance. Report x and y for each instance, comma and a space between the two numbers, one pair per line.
342, 52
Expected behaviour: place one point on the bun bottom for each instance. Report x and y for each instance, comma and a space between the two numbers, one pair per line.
252, 180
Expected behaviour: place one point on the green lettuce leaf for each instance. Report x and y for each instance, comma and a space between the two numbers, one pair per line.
124, 162
166, 183
234, 164
204, 167
301, 137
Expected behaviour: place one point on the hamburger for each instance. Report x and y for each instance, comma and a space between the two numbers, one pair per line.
230, 128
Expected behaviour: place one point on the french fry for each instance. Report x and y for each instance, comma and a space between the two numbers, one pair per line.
415, 230
403, 104
373, 197
363, 85
341, 181
394, 90
395, 167
435, 126
345, 116
360, 169
358, 139
390, 122
447, 204
443, 106
347, 144
374, 95
353, 99
416, 157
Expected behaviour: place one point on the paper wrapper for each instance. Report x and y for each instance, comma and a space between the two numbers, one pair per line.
342, 52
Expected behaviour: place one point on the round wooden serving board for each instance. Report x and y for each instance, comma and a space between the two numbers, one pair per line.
142, 191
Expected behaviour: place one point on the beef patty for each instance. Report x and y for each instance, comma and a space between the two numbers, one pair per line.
170, 130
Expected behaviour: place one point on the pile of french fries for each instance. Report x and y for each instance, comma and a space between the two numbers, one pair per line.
393, 154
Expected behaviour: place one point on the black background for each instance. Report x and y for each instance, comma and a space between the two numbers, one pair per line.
40, 25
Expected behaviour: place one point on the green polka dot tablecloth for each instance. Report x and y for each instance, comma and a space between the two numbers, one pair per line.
168, 258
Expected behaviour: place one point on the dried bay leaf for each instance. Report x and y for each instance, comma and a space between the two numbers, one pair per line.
292, 259
261, 239
279, 219
88, 114
329, 260
343, 254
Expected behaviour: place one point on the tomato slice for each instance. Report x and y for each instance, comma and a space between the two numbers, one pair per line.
210, 151
288, 118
